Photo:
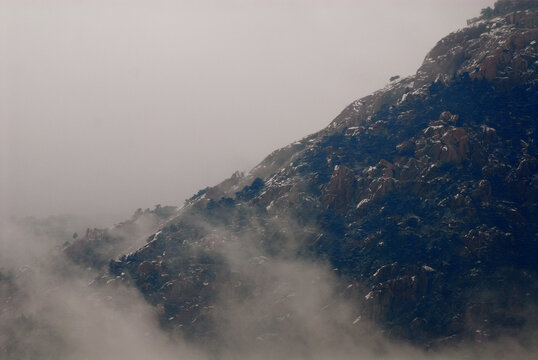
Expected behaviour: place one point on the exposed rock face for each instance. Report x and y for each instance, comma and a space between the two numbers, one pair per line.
500, 49
497, 49
424, 193
340, 189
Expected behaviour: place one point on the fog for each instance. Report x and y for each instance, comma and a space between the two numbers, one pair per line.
110, 106
51, 308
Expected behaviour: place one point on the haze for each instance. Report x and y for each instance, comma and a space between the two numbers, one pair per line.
111, 106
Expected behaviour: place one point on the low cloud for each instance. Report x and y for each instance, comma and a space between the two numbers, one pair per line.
52, 309
271, 307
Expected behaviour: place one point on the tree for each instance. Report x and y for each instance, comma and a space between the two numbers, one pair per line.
487, 12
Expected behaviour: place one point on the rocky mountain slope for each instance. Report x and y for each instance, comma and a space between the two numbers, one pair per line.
421, 198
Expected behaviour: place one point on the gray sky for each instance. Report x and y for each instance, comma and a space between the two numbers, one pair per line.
108, 106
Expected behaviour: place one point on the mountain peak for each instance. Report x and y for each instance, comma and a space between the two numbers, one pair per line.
501, 48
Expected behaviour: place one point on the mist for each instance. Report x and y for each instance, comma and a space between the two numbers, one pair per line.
52, 308
114, 106
107, 107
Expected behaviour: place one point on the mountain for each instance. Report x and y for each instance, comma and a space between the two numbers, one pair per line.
421, 200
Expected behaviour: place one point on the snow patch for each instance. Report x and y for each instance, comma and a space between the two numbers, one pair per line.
363, 203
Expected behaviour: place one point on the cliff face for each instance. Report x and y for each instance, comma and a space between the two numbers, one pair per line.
423, 195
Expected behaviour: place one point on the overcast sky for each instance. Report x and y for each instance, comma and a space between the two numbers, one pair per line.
108, 106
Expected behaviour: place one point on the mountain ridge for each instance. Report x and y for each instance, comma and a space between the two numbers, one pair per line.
421, 197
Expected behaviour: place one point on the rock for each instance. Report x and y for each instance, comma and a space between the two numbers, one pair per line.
341, 188
483, 192
406, 148
388, 171
385, 272
380, 187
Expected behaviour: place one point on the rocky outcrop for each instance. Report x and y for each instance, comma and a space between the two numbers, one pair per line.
496, 48
500, 48
340, 189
